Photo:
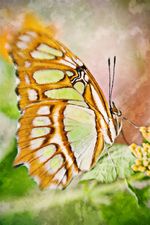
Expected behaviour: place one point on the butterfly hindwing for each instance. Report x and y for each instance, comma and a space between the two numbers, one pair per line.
60, 132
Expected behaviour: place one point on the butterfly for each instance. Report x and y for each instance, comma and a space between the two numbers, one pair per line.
65, 118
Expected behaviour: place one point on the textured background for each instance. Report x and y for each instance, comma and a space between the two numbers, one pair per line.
94, 30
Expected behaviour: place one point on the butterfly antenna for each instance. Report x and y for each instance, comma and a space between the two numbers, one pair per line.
113, 78
109, 82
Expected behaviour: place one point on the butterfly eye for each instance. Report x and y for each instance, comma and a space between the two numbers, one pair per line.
115, 111
119, 113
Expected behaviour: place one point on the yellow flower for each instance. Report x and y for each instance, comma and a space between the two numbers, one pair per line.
145, 133
142, 153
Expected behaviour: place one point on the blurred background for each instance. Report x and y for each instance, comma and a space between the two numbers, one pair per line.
94, 30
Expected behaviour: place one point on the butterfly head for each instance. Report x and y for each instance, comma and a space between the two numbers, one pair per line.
117, 117
115, 112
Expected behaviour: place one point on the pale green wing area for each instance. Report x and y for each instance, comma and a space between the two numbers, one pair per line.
80, 125
48, 76
64, 93
50, 50
46, 52
41, 55
67, 93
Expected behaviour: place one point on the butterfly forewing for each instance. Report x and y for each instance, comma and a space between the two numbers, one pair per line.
37, 57
59, 133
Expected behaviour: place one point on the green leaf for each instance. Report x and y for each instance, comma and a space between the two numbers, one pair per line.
110, 167
14, 181
141, 193
8, 98
7, 134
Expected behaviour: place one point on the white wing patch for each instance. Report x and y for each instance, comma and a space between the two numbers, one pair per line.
25, 38
22, 45
44, 110
54, 164
99, 104
41, 55
41, 121
32, 95
46, 152
36, 143
45, 48
38, 132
